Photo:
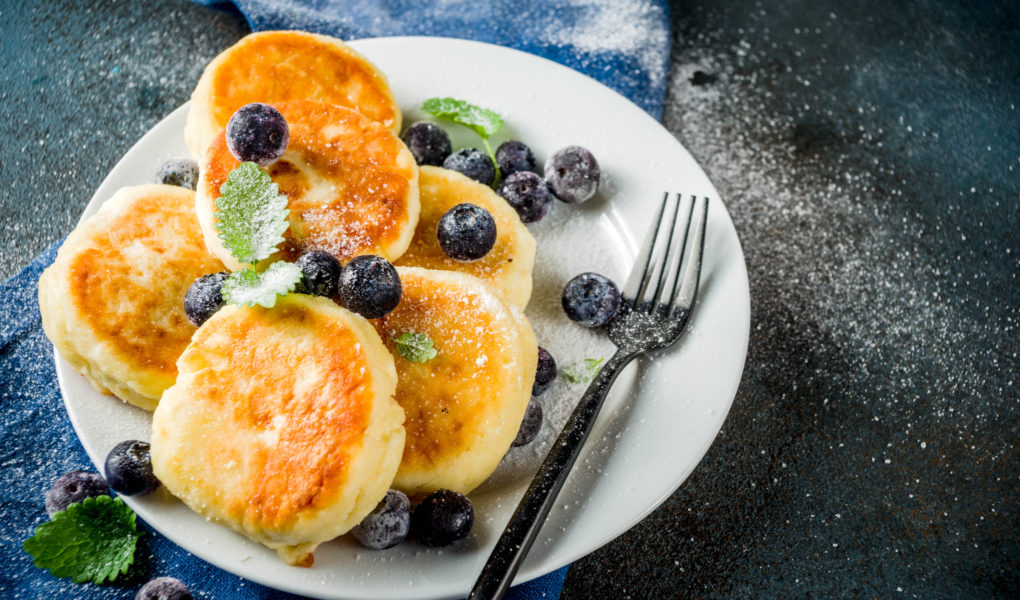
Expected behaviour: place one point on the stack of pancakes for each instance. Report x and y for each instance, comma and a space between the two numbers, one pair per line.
289, 424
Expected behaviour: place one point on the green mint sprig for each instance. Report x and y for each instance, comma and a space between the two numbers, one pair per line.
416, 347
248, 288
582, 371
93, 540
251, 214
251, 218
482, 121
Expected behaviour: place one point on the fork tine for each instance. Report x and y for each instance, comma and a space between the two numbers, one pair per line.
684, 297
672, 268
656, 271
636, 279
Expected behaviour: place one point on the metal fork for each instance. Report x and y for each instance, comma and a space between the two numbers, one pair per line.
656, 305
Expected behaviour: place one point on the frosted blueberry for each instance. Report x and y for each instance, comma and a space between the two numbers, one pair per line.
428, 142
442, 518
182, 172
369, 286
544, 373
466, 232
572, 174
129, 468
387, 525
591, 299
72, 487
513, 156
164, 588
528, 194
257, 133
320, 273
204, 297
530, 425
472, 162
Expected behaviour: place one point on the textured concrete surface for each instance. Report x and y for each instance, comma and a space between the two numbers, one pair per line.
869, 155
79, 86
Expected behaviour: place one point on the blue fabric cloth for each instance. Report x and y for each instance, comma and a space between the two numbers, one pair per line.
622, 43
38, 445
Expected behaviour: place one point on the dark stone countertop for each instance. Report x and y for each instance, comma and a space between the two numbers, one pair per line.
868, 153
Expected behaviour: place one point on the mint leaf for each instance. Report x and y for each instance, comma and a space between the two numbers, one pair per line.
482, 121
582, 371
93, 540
416, 347
251, 214
248, 288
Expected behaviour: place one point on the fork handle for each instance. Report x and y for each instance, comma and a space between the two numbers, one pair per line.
520, 533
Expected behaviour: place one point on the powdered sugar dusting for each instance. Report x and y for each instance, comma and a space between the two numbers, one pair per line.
572, 239
633, 27
840, 248
873, 186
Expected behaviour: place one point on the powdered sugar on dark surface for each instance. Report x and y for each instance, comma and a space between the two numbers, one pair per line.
869, 161
79, 107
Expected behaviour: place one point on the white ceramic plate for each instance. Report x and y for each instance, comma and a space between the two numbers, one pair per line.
661, 416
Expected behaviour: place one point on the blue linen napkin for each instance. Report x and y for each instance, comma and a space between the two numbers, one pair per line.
622, 43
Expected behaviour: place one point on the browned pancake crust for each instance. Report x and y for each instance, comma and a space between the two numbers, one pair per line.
308, 466
147, 326
282, 423
463, 407
279, 66
351, 184
507, 267
122, 276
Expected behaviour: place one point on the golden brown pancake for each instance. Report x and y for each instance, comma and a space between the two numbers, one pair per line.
464, 406
352, 186
113, 301
507, 267
282, 424
278, 66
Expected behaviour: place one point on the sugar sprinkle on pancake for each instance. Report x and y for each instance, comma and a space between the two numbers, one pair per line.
282, 423
113, 301
465, 405
507, 267
278, 66
352, 186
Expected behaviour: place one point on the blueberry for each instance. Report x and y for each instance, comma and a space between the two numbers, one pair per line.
129, 468
163, 588
369, 286
182, 172
513, 157
591, 299
572, 174
442, 518
320, 272
528, 194
257, 133
204, 297
466, 232
428, 143
388, 524
530, 426
74, 486
472, 162
544, 373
